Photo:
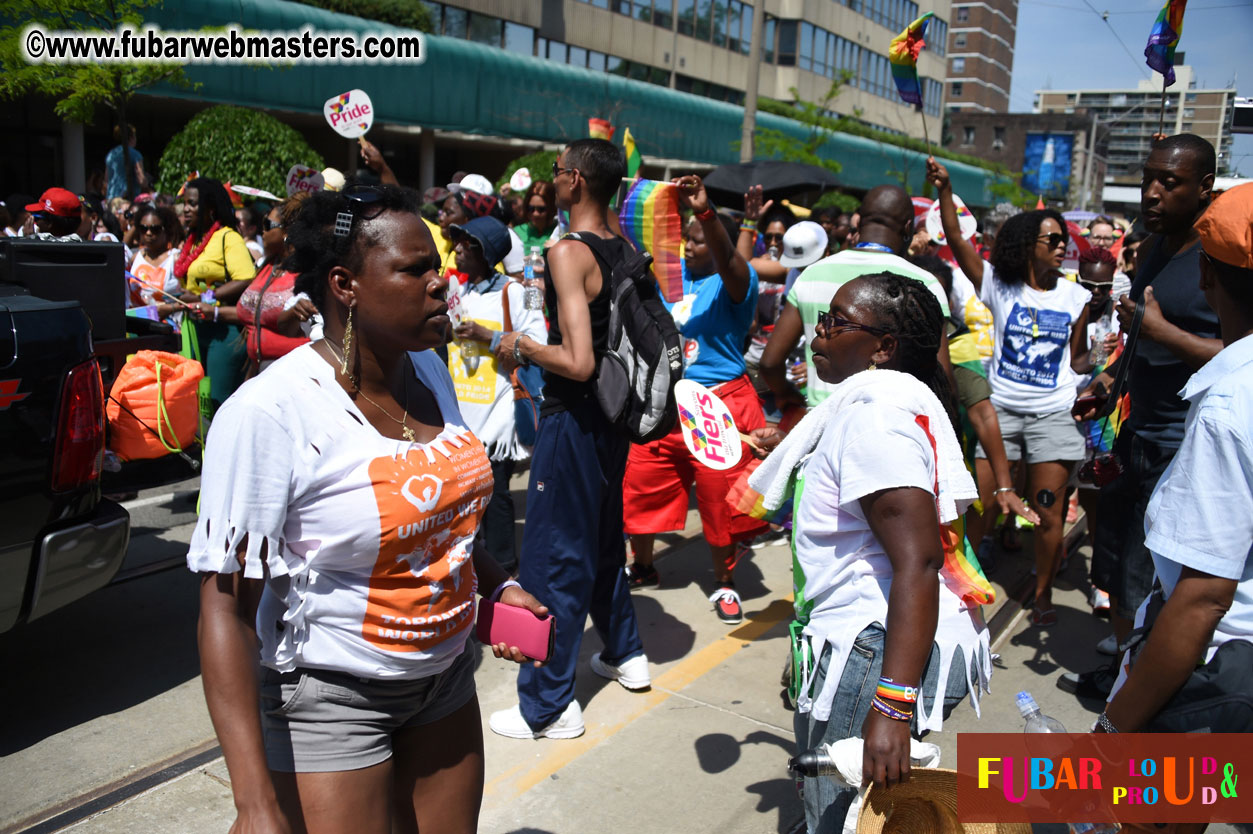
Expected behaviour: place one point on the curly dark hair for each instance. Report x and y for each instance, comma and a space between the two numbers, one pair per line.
907, 309
315, 249
1098, 255
1016, 241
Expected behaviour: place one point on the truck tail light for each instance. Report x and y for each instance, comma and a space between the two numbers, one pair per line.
80, 429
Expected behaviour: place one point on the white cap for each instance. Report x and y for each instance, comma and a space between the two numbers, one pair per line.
803, 244
477, 183
332, 179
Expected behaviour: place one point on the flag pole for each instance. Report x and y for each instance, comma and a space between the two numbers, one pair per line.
1161, 114
926, 136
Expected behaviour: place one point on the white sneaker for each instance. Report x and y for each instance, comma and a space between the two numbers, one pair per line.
1099, 600
510, 723
633, 674
1108, 646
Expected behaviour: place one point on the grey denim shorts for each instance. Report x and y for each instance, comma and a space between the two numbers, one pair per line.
316, 721
1047, 437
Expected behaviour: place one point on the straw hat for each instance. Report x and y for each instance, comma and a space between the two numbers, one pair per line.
926, 804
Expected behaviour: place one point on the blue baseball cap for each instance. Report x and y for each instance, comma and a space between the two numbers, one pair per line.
491, 235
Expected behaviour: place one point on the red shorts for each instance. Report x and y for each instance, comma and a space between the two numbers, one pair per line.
660, 474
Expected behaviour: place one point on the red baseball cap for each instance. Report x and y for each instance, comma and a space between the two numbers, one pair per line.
59, 202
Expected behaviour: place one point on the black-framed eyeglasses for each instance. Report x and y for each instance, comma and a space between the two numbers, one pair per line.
1054, 239
829, 323
267, 224
534, 209
154, 230
558, 171
364, 202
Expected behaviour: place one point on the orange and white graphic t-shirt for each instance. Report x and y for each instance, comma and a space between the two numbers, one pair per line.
151, 277
364, 542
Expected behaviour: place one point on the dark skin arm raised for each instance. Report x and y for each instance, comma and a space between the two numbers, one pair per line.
1176, 644
787, 333
903, 520
963, 250
727, 262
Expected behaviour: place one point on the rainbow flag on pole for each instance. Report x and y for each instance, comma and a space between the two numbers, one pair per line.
903, 56
650, 220
600, 129
1160, 51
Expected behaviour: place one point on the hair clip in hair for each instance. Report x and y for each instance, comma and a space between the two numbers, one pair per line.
343, 223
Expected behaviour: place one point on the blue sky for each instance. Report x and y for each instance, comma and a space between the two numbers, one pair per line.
1064, 44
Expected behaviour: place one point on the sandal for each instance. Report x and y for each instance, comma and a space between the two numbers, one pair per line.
1045, 618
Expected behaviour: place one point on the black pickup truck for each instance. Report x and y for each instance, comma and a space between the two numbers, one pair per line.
63, 336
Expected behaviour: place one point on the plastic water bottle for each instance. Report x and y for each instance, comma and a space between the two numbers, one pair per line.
1101, 328
1037, 722
533, 279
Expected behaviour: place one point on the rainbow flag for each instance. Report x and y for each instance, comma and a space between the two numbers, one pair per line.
633, 158
650, 220
750, 502
1160, 51
903, 56
600, 129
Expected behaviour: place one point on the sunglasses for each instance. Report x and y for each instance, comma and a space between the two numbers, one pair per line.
771, 237
558, 171
267, 224
1054, 240
1097, 286
534, 209
364, 202
149, 230
829, 324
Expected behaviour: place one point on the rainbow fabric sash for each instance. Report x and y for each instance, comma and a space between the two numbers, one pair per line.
650, 220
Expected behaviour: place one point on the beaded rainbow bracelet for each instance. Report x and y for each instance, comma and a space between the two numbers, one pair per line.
894, 691
890, 711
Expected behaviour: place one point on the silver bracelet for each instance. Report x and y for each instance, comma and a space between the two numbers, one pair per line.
517, 352
1105, 724
1002, 489
500, 589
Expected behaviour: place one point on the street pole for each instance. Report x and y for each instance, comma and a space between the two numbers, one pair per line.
750, 94
1087, 164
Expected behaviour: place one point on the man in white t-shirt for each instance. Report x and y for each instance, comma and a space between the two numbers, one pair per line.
886, 227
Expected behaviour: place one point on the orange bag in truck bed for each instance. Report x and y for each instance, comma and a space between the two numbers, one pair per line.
153, 409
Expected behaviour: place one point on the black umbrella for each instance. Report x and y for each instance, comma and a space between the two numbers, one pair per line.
727, 183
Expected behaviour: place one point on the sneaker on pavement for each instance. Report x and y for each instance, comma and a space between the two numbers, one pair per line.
771, 539
1099, 600
727, 603
1108, 646
632, 674
511, 724
1095, 684
639, 576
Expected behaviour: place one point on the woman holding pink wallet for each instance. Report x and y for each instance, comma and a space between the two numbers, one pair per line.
340, 501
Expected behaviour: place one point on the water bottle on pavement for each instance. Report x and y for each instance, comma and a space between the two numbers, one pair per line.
1038, 722
533, 279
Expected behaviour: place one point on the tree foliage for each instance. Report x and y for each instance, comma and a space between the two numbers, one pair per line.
539, 163
776, 144
235, 144
77, 89
403, 13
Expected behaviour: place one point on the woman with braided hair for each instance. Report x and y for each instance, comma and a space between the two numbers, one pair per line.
889, 635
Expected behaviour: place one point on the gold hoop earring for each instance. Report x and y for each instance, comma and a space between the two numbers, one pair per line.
345, 362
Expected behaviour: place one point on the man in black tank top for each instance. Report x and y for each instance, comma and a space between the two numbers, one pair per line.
572, 546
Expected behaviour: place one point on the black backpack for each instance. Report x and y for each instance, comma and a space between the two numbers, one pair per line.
635, 377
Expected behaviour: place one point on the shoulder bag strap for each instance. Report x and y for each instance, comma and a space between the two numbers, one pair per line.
1124, 363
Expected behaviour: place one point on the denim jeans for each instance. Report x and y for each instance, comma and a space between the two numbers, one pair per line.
826, 804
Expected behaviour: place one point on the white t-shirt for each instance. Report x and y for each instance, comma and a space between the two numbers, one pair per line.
368, 540
1031, 371
153, 275
847, 574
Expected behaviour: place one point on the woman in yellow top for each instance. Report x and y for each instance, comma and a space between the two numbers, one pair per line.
215, 267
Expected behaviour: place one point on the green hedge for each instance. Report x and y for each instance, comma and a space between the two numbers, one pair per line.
235, 144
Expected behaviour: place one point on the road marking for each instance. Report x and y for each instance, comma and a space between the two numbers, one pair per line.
136, 503
527, 774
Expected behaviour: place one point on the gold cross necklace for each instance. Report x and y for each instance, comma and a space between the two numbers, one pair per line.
405, 431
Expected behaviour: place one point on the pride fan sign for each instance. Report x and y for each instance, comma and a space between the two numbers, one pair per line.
350, 114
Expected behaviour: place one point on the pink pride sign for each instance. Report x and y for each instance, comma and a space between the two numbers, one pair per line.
349, 114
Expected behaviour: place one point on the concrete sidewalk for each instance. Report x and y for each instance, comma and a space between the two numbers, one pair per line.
706, 748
